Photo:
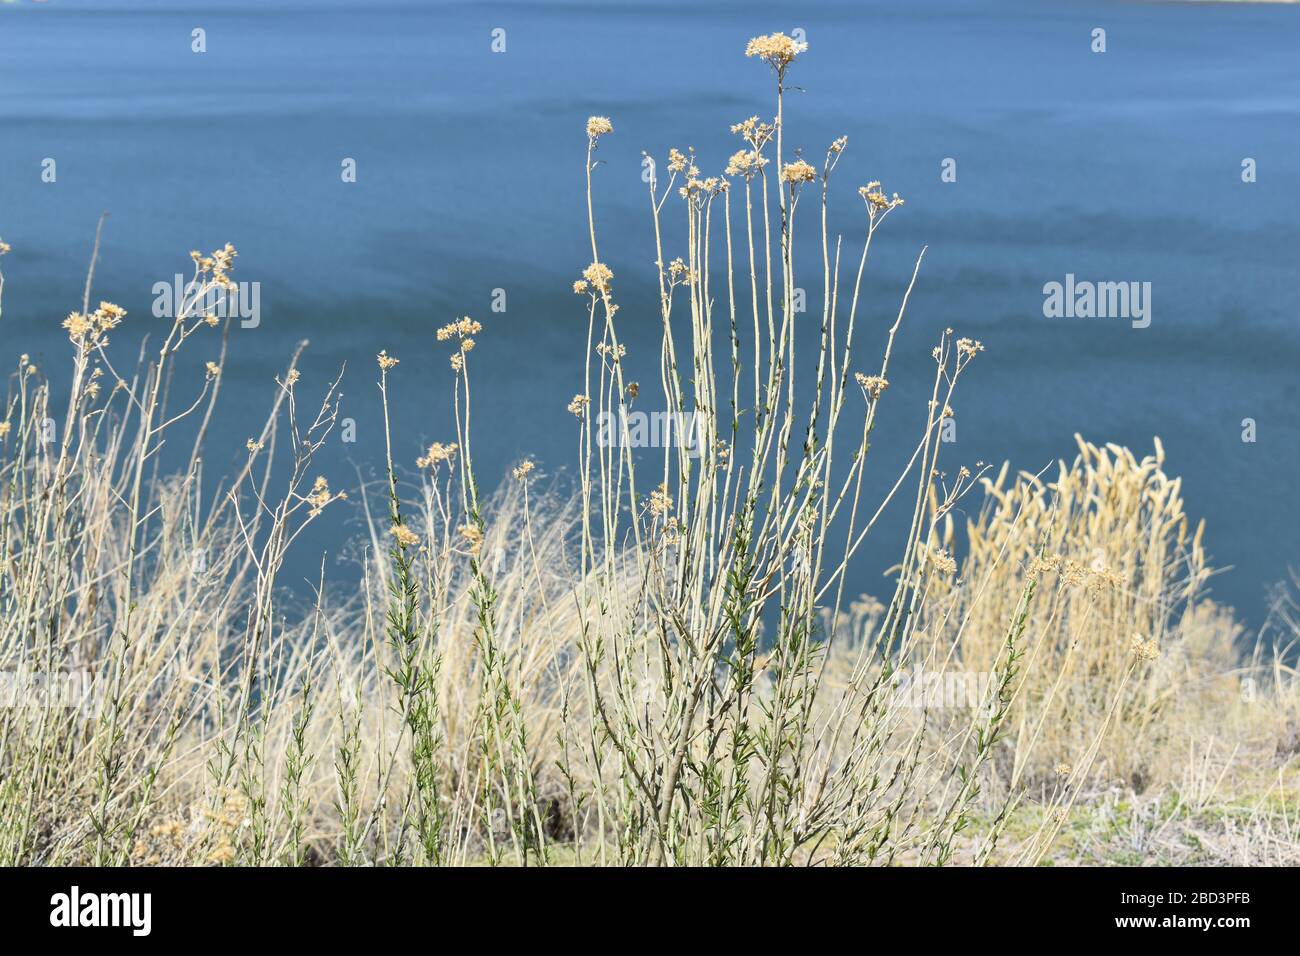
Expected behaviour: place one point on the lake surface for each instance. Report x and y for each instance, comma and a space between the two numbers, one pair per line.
1121, 166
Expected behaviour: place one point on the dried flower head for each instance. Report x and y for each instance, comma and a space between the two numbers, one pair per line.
873, 385
461, 329
78, 326
598, 126
755, 132
108, 315
798, 172
877, 202
436, 455
473, 536
1144, 650
775, 49
579, 405
745, 162
943, 561
320, 497
661, 502
91, 331
404, 536
386, 361
523, 470
599, 275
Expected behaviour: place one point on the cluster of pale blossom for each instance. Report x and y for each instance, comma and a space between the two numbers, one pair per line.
1095, 576
877, 202
943, 561
798, 172
320, 497
218, 264
599, 275
404, 536
701, 189
754, 131
775, 49
578, 407
463, 330
473, 536
873, 385
436, 455
91, 331
745, 162
661, 502
1144, 650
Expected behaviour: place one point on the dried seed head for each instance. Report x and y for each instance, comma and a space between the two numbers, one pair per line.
877, 202
798, 172
404, 536
599, 275
872, 385
661, 502
1144, 650
436, 455
775, 49
473, 536
578, 406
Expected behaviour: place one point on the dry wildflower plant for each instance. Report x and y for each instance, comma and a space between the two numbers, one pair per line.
667, 667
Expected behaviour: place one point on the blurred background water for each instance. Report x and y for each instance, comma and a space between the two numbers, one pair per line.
1117, 166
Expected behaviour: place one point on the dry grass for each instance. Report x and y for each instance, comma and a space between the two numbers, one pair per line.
665, 665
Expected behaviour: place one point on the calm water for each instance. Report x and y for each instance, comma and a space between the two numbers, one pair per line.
1121, 166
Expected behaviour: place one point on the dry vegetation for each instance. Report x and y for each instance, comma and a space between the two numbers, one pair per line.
669, 665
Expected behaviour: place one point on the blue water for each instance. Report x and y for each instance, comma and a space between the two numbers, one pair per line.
1116, 166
